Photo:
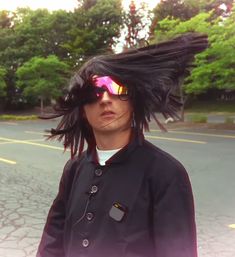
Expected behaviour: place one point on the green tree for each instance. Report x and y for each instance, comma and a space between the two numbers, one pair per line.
60, 22
176, 9
27, 33
2, 82
170, 28
96, 24
71, 36
6, 56
184, 10
216, 67
42, 78
39, 33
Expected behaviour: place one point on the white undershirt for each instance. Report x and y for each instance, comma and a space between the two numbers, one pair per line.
104, 155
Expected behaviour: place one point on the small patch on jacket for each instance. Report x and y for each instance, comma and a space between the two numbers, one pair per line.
118, 212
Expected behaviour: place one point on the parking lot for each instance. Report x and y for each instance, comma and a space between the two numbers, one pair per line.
30, 169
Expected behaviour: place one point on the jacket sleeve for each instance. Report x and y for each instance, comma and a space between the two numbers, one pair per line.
51, 244
173, 217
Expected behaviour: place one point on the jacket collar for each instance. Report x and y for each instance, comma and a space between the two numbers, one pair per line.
137, 139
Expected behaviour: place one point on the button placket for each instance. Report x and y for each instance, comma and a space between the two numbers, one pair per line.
98, 172
94, 189
89, 216
85, 242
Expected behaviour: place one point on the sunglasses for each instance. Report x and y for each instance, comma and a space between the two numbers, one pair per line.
106, 83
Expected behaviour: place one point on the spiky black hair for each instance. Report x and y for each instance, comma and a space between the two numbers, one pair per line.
152, 74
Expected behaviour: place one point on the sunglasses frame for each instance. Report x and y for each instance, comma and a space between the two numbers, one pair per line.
99, 90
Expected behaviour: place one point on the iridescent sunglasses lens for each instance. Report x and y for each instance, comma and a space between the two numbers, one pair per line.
105, 83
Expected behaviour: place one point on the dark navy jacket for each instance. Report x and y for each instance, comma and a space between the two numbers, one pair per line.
139, 204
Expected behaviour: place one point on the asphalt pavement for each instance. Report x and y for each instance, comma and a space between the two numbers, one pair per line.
30, 169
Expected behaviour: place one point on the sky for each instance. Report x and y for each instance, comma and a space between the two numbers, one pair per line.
55, 5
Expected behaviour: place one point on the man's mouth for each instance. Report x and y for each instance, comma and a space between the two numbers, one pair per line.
107, 113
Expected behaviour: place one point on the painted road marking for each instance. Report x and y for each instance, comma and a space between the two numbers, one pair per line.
35, 132
154, 130
5, 143
35, 140
31, 143
7, 161
60, 148
231, 226
9, 123
177, 139
195, 133
28, 140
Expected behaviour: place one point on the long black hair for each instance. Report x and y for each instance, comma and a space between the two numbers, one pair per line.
152, 75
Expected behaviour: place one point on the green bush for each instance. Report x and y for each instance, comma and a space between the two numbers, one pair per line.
16, 117
198, 118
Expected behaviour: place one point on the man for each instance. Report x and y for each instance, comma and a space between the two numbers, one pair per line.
123, 196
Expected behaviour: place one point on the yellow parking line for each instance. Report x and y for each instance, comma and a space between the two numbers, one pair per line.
9, 123
177, 139
31, 143
34, 140
195, 133
35, 132
7, 161
41, 145
231, 226
28, 140
4, 143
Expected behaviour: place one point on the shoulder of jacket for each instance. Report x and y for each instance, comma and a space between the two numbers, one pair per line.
161, 160
72, 164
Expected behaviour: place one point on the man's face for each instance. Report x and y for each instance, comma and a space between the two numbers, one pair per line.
109, 114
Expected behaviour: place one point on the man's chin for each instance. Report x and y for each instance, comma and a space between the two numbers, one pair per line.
111, 129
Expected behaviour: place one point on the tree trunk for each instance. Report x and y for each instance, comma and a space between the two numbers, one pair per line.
182, 111
182, 101
42, 105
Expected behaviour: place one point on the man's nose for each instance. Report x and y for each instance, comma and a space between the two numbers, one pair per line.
105, 97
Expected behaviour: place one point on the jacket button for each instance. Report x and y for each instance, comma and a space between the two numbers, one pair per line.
98, 172
89, 216
94, 189
85, 242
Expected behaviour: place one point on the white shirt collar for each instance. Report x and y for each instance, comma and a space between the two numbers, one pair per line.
104, 155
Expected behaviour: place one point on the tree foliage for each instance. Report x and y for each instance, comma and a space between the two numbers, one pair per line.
215, 66
94, 27
36, 33
42, 78
71, 36
186, 9
25, 34
2, 82
175, 9
96, 24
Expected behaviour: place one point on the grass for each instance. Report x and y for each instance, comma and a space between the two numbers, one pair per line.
197, 118
229, 120
18, 117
